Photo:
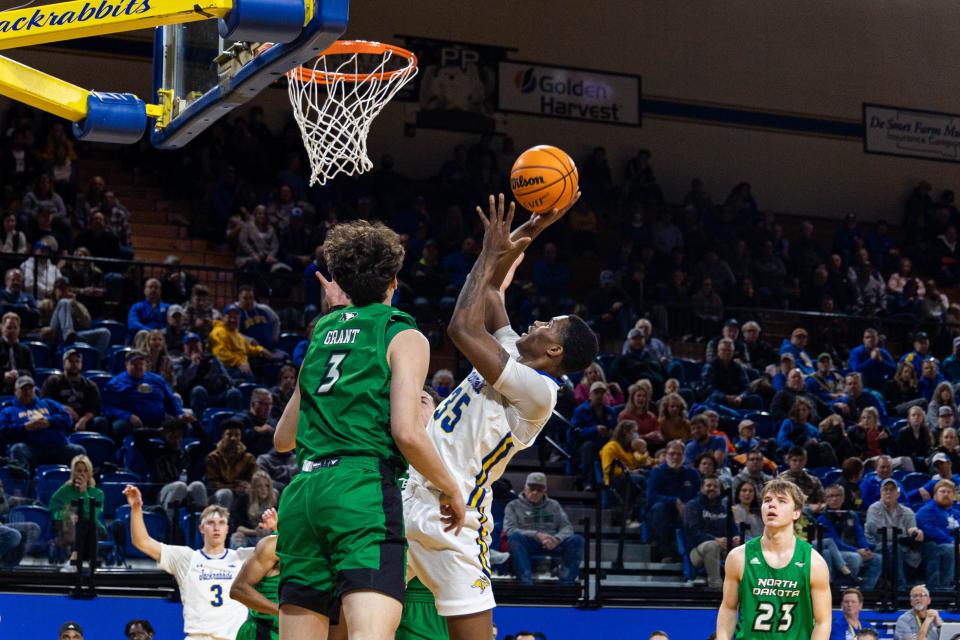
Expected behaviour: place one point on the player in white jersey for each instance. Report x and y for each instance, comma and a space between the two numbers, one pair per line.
499, 408
203, 575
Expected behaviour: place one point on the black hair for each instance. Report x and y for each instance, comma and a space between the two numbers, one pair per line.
231, 423
580, 345
796, 452
144, 624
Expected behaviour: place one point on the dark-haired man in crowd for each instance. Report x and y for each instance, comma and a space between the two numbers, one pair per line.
15, 359
637, 363
79, 396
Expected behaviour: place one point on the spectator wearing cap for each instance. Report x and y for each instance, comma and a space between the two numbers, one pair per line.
870, 485
610, 307
230, 467
40, 273
71, 631
730, 331
15, 359
593, 421
78, 396
796, 345
232, 348
944, 471
939, 518
206, 377
669, 487
889, 513
138, 398
826, 383
37, 428
727, 380
536, 524
177, 281
787, 363
921, 351
637, 363
257, 321
176, 330
872, 361
149, 313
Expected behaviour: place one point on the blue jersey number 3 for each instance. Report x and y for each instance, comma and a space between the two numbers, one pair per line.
217, 591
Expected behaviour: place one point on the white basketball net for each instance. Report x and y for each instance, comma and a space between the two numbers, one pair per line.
335, 115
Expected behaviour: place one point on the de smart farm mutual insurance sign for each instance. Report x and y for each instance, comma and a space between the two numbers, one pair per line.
566, 92
911, 133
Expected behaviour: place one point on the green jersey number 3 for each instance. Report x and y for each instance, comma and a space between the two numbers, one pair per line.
331, 372
764, 618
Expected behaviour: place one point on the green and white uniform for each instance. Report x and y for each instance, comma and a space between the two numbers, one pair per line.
775, 604
260, 626
341, 520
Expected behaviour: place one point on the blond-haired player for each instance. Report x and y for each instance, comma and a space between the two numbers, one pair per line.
203, 575
779, 583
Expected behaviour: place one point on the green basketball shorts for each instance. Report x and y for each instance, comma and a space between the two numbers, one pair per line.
420, 619
340, 530
259, 629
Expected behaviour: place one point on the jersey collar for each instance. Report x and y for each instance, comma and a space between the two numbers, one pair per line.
556, 381
204, 554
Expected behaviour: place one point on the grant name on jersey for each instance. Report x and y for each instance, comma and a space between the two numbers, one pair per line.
341, 336
778, 588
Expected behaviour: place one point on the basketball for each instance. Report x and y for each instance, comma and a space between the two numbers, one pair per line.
544, 178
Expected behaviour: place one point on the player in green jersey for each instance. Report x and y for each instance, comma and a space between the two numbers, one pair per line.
256, 585
354, 420
780, 584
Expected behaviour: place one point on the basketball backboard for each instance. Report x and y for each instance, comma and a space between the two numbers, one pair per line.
206, 76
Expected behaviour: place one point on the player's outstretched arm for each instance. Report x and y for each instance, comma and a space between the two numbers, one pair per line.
409, 359
138, 529
468, 328
255, 569
820, 596
727, 613
285, 435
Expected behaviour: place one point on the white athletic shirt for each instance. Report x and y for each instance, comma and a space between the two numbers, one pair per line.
205, 585
479, 427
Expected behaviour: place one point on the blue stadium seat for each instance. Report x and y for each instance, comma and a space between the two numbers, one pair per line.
212, 427
40, 375
288, 341
99, 378
41, 354
605, 360
913, 481
766, 425
113, 497
89, 354
898, 474
16, 481
831, 477
156, 527
117, 359
820, 471
246, 390
90, 373
189, 524
691, 370
47, 480
38, 515
6, 400
99, 447
118, 330
131, 458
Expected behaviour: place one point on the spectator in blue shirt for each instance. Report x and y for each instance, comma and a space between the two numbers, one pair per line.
669, 487
870, 485
844, 528
593, 422
859, 399
938, 519
951, 364
921, 351
787, 364
944, 467
872, 361
705, 530
37, 428
929, 379
703, 442
13, 294
796, 346
149, 313
257, 321
797, 431
138, 398
826, 383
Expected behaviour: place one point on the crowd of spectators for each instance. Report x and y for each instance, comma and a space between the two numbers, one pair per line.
679, 444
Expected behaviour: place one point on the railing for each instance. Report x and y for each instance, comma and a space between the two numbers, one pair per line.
120, 282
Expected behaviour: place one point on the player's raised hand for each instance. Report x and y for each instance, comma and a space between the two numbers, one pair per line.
539, 222
497, 242
134, 499
269, 519
333, 295
452, 512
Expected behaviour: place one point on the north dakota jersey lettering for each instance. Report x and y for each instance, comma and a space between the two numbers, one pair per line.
345, 385
775, 603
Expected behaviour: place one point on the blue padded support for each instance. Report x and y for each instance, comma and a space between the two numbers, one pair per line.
119, 118
264, 21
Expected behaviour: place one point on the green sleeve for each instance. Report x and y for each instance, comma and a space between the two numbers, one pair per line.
395, 325
60, 499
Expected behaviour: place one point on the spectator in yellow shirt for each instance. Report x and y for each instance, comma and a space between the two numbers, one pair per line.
231, 347
625, 450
